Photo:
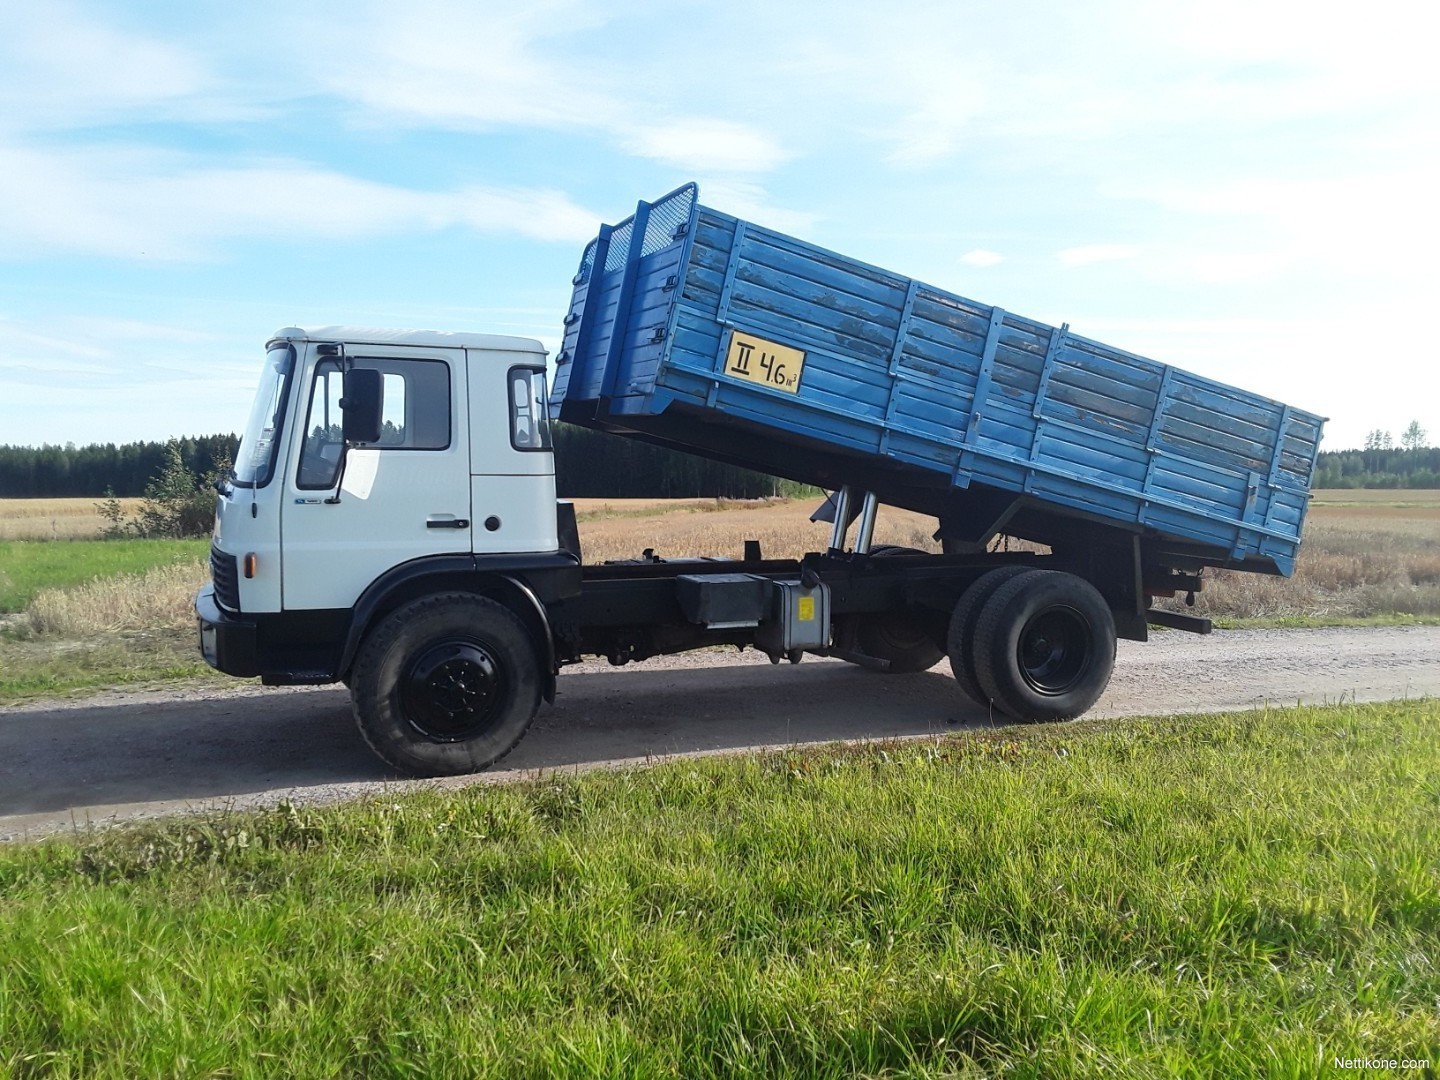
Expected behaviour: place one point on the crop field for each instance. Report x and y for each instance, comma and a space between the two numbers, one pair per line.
55, 519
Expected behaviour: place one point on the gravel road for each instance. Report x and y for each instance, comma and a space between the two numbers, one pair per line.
141, 754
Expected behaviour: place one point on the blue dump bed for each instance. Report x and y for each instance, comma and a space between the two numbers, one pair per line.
702, 332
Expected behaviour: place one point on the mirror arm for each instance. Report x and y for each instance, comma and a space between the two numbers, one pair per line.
340, 479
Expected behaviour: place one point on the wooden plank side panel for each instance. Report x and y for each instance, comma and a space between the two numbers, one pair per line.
764, 307
919, 407
589, 367
893, 368
812, 298
1092, 455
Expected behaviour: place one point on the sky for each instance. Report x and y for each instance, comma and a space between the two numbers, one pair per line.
1245, 190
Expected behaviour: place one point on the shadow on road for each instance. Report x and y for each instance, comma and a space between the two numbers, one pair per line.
207, 749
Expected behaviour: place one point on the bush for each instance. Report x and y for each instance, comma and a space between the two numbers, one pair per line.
178, 503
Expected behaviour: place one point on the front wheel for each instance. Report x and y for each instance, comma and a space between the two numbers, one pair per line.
446, 685
1044, 646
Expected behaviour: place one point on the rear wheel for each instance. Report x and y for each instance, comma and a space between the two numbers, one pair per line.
446, 685
901, 638
959, 644
1044, 646
907, 640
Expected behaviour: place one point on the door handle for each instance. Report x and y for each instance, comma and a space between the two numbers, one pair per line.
448, 523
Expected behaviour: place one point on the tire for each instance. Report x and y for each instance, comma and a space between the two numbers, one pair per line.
959, 641
1044, 646
903, 639
446, 685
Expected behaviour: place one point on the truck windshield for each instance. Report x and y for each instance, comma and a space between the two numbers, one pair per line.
255, 460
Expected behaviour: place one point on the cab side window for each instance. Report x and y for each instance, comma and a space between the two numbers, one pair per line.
415, 413
529, 422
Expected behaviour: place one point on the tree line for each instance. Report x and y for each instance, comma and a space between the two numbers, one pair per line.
70, 471
588, 464
1379, 467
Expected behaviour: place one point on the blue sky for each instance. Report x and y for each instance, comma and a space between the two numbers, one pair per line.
1246, 190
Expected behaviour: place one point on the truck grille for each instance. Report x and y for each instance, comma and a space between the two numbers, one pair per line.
225, 575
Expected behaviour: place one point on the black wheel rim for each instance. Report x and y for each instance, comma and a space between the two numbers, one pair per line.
452, 691
1054, 651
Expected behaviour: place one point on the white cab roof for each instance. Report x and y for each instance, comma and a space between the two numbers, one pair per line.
443, 339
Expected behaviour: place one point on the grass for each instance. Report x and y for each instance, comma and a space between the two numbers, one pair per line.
40, 667
27, 567
1251, 894
97, 614
1360, 563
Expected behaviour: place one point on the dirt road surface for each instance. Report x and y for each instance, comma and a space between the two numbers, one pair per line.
127, 755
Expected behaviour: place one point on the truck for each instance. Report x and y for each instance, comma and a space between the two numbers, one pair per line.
392, 523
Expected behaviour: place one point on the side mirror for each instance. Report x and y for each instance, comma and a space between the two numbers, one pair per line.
362, 403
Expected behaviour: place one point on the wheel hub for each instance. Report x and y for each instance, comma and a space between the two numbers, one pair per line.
1054, 650
452, 691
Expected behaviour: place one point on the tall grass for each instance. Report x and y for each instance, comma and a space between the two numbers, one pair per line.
1244, 895
160, 598
1352, 565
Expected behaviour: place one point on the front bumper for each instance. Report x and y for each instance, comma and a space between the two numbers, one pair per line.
228, 642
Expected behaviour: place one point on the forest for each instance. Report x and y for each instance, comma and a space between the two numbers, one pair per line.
588, 464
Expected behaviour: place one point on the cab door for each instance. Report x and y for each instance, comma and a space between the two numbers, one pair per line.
403, 498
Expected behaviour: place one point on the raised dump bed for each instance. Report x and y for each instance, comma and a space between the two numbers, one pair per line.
697, 330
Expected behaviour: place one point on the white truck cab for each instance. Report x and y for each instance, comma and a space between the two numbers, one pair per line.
374, 460
462, 464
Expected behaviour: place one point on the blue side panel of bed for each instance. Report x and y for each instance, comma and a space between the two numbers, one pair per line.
941, 388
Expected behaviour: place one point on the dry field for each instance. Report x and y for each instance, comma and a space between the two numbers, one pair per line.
720, 527
160, 599
55, 519
1366, 555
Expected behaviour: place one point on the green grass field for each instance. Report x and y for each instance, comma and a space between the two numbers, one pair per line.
37, 669
1244, 895
27, 566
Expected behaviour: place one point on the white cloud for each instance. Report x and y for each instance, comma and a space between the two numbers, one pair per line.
1088, 254
134, 204
62, 67
1225, 267
707, 146
477, 68
950, 97
1378, 223
982, 258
